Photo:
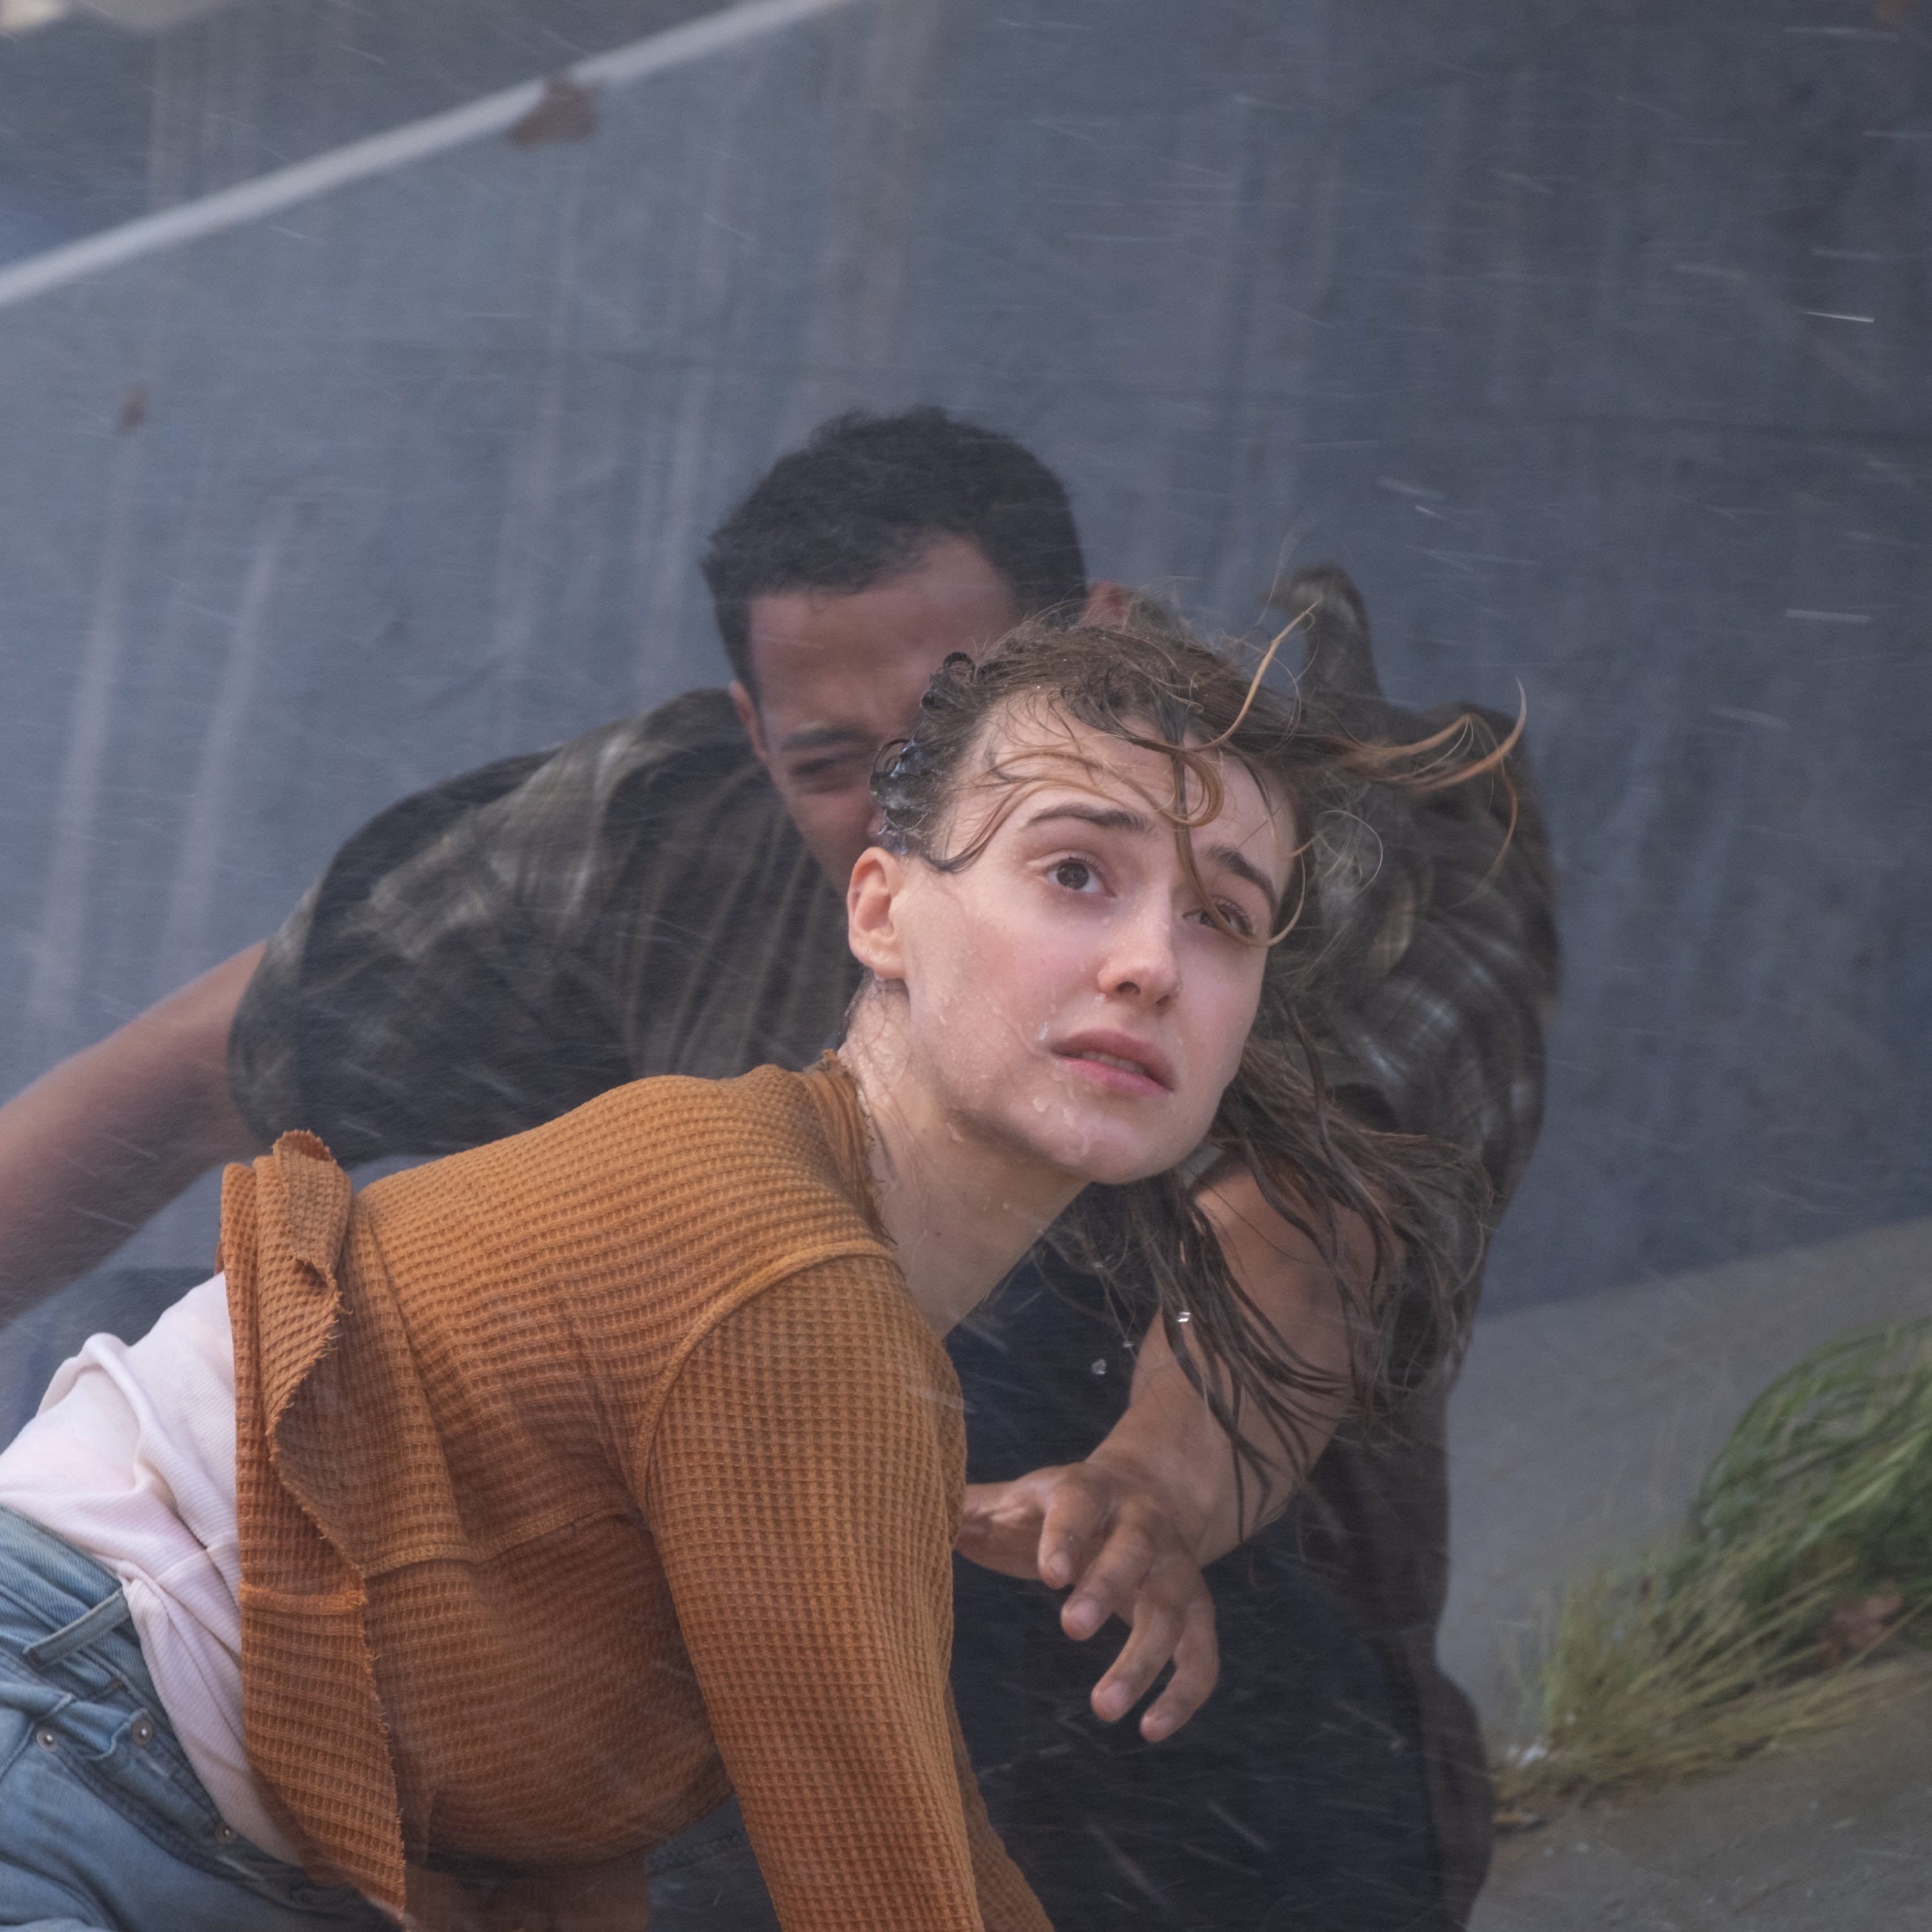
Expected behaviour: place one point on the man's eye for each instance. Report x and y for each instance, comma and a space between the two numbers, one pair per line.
1075, 874
828, 774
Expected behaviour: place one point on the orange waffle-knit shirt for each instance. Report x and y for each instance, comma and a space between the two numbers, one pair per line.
583, 1477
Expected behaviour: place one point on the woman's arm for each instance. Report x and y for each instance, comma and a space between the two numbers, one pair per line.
801, 1486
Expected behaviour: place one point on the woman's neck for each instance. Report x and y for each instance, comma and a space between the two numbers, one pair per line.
961, 1211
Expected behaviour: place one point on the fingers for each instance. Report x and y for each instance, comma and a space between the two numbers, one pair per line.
1079, 1504
1172, 1620
1142, 1573
1119, 1549
1197, 1669
1114, 1557
1000, 1525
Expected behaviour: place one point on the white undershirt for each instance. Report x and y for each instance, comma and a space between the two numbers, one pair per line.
131, 1458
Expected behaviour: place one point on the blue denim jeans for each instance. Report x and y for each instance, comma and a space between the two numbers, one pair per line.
103, 1825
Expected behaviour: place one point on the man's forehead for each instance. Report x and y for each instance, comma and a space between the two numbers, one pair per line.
830, 701
947, 597
825, 738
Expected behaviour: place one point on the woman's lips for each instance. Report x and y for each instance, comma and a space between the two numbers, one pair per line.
1118, 1064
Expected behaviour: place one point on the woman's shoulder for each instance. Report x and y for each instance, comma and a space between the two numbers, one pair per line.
750, 1171
768, 1122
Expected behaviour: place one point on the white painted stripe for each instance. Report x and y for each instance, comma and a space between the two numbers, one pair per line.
383, 153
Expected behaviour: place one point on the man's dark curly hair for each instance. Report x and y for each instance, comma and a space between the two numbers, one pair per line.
865, 496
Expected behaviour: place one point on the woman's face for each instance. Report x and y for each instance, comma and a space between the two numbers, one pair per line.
1067, 993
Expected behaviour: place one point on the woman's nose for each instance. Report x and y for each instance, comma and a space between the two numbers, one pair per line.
1144, 962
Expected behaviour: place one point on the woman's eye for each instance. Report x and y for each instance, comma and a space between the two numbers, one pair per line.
1236, 919
1075, 874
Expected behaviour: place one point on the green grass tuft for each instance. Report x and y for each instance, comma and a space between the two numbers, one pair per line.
1809, 1547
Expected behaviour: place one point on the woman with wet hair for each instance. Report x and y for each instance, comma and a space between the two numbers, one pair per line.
463, 1540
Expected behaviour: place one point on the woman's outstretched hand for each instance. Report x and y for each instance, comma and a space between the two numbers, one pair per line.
1108, 1533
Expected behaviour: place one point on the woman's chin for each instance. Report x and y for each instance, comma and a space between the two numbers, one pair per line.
1113, 1160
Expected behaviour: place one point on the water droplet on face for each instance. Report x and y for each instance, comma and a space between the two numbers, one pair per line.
1039, 1105
1100, 1367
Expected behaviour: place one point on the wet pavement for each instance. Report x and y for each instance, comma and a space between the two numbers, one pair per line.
1831, 1836
1577, 1435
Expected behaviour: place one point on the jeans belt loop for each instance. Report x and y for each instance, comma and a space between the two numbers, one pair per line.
110, 1614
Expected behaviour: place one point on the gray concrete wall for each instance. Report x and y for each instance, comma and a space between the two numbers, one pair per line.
100, 124
1534, 317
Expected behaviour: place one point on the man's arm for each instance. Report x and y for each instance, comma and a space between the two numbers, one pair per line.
1441, 924
110, 1136
1131, 1527
444, 983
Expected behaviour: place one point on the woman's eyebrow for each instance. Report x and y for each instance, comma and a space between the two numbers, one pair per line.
1230, 860
1119, 818
1107, 817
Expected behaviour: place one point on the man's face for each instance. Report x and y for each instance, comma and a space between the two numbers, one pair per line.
841, 673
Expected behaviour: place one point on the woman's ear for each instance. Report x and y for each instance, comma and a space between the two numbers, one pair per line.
871, 910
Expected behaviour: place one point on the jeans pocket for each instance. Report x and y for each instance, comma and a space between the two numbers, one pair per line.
26, 1707
131, 1760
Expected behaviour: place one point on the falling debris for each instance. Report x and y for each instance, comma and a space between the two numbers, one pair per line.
567, 111
1858, 1626
1514, 1818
